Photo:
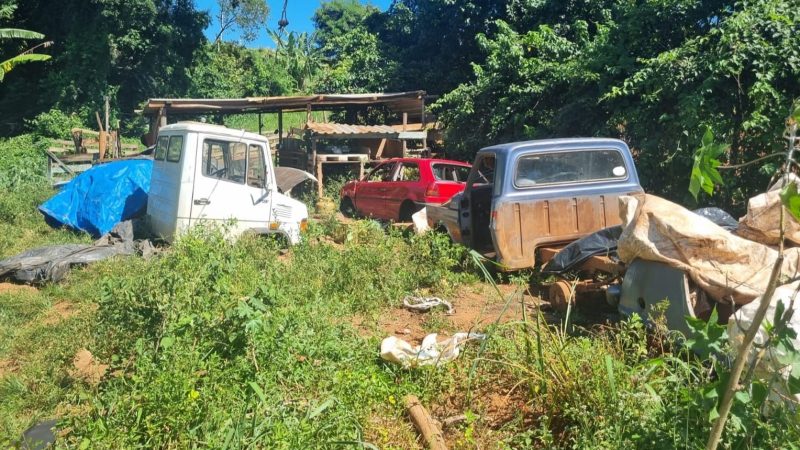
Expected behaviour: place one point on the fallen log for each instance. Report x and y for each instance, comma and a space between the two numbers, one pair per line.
424, 423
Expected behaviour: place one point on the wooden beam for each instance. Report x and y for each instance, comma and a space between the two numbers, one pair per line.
381, 146
424, 423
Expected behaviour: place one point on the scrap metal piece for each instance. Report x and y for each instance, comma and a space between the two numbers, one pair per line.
648, 283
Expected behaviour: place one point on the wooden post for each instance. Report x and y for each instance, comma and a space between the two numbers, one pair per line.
379, 153
105, 99
313, 153
260, 123
319, 177
102, 138
360, 169
308, 112
404, 142
280, 129
424, 423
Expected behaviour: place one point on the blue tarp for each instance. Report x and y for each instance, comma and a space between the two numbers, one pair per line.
101, 197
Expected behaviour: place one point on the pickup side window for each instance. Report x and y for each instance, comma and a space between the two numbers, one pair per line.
174, 148
409, 171
224, 160
161, 148
450, 172
578, 166
255, 166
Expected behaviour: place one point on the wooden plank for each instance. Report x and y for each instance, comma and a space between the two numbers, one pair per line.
424, 423
55, 159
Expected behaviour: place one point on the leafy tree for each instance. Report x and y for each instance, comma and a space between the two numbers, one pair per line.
26, 56
129, 49
231, 70
246, 16
358, 66
336, 18
302, 59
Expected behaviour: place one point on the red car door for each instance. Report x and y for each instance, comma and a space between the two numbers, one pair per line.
403, 191
371, 191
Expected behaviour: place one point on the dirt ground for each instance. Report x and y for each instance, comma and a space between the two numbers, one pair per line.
475, 307
12, 288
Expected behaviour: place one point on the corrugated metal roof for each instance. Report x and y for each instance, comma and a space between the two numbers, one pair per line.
340, 128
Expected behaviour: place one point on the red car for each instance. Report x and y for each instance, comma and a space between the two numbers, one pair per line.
397, 188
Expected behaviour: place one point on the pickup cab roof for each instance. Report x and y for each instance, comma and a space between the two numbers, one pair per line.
551, 145
200, 127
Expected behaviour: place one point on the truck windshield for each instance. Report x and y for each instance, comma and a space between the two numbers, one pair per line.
569, 167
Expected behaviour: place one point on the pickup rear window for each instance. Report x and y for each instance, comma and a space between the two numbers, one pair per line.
578, 166
450, 172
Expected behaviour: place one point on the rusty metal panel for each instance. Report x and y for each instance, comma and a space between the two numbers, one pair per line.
522, 227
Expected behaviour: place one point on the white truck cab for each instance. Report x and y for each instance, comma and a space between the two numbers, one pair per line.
210, 173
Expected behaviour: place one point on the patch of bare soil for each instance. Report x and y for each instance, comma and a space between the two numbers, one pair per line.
12, 288
60, 311
87, 368
475, 307
8, 366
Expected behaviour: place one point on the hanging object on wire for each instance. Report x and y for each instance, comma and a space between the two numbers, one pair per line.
283, 22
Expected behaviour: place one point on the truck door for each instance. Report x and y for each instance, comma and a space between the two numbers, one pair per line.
231, 183
476, 204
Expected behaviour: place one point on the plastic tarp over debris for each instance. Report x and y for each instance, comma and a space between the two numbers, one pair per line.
770, 364
725, 266
430, 352
52, 263
762, 222
101, 197
603, 242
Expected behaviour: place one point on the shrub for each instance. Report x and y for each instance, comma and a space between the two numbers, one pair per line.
55, 124
22, 162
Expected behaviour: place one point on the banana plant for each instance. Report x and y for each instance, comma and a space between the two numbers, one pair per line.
26, 56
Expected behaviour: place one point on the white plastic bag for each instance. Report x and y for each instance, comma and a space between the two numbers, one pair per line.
769, 368
431, 352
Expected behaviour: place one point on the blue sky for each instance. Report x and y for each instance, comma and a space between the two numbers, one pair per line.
299, 13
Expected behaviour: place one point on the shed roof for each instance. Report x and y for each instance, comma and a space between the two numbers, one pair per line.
412, 102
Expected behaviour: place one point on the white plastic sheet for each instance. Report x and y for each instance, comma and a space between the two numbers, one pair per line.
762, 223
420, 219
430, 352
769, 368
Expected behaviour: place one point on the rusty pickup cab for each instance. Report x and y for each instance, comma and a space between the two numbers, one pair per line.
524, 196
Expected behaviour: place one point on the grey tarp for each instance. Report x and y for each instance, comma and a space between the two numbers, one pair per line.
52, 263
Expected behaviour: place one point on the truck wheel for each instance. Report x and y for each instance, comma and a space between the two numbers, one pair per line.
407, 209
559, 295
346, 207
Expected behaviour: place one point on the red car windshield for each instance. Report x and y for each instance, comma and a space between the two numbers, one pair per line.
450, 172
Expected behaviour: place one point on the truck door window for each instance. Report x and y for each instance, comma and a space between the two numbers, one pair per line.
408, 172
578, 166
484, 171
174, 148
255, 166
383, 172
224, 160
238, 162
161, 148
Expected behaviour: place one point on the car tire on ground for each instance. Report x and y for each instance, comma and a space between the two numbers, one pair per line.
346, 207
407, 209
